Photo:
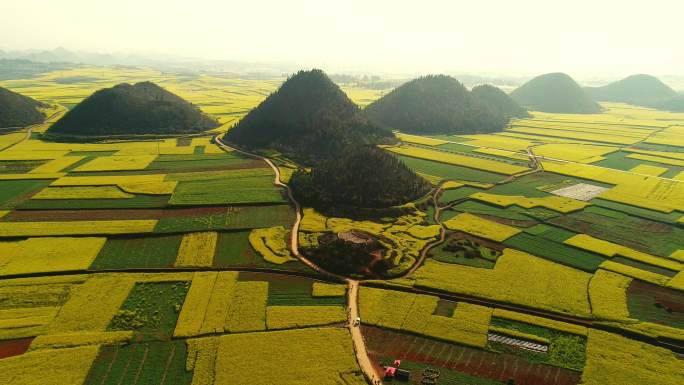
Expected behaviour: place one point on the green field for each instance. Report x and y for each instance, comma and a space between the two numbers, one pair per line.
138, 252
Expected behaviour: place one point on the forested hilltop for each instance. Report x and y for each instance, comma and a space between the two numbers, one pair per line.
308, 118
311, 120
17, 110
362, 176
555, 93
441, 104
125, 109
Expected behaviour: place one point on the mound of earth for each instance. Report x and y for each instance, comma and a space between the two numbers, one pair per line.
308, 118
441, 104
125, 109
644, 90
555, 93
17, 110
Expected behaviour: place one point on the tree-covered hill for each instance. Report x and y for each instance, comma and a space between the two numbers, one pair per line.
499, 102
142, 108
441, 104
636, 89
640, 90
308, 118
555, 93
362, 176
17, 110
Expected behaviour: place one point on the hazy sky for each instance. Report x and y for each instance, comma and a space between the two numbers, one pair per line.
581, 37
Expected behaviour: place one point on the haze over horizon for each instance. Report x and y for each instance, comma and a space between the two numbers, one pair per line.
585, 38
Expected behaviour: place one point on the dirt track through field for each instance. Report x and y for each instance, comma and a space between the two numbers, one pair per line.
352, 285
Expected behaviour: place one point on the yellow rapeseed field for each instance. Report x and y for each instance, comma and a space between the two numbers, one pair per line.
480, 227
647, 169
414, 313
458, 159
49, 366
28, 229
197, 249
56, 165
117, 163
518, 278
288, 357
68, 340
42, 255
289, 317
610, 249
321, 289
272, 244
247, 311
219, 302
92, 305
635, 272
583, 153
617, 360
540, 321
556, 203
194, 308
424, 140
608, 295
200, 359
82, 192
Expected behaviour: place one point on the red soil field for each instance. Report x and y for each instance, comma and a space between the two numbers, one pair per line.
476, 362
16, 347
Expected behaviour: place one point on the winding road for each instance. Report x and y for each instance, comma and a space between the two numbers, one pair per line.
352, 285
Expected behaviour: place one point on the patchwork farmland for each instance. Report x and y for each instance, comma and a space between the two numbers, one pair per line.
537, 257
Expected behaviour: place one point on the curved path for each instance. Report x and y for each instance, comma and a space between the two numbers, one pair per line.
352, 285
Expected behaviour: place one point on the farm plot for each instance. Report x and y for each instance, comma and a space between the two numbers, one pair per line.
13, 192
478, 163
28, 229
64, 366
233, 249
151, 362
240, 358
151, 309
49, 254
463, 364
138, 252
650, 303
616, 360
448, 171
245, 190
232, 218
517, 278
467, 325
656, 238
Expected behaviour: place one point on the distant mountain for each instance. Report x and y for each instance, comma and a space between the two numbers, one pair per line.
143, 108
17, 110
362, 176
555, 93
640, 90
308, 118
644, 90
441, 104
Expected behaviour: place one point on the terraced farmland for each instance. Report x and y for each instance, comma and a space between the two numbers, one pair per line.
534, 259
